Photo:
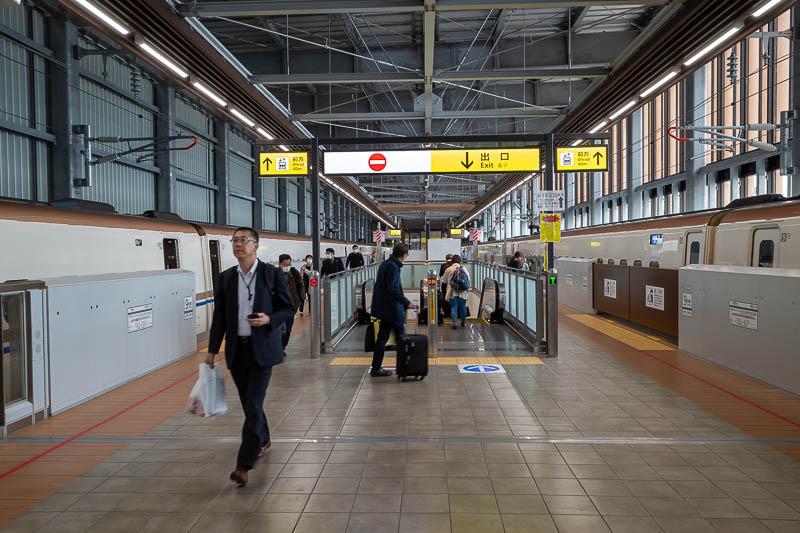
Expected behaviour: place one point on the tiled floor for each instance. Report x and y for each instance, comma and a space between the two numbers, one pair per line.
603, 438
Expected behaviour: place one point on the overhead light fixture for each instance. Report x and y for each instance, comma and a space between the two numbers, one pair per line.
660, 83
576, 143
244, 118
161, 58
264, 133
208, 92
282, 147
766, 7
102, 15
622, 109
599, 127
714, 44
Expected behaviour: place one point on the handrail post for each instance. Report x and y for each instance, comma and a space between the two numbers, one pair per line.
433, 314
552, 311
314, 304
325, 318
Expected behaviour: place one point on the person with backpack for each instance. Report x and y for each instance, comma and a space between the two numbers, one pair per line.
456, 279
251, 303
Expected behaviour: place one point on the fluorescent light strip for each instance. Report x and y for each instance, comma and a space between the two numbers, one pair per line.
208, 92
622, 109
163, 60
766, 7
264, 133
282, 147
244, 118
576, 143
94, 10
599, 127
658, 84
715, 43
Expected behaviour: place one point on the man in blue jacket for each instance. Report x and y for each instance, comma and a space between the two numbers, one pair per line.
389, 305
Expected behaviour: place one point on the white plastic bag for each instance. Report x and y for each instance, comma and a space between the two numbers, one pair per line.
208, 394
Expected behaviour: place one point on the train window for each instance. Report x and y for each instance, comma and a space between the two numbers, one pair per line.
694, 253
600, 260
623, 262
766, 253
654, 264
610, 261
170, 253
213, 251
637, 262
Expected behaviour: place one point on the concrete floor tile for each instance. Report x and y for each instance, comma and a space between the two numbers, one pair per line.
580, 524
322, 523
419, 522
477, 523
383, 522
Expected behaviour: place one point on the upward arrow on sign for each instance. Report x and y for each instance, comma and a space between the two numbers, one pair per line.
599, 157
268, 162
467, 163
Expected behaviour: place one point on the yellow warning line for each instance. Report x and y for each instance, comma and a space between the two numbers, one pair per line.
631, 338
440, 361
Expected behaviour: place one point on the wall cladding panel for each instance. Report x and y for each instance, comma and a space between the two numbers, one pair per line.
116, 73
15, 84
241, 212
16, 173
240, 172
130, 190
195, 202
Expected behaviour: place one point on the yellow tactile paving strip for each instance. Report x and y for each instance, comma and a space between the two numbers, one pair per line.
631, 338
442, 361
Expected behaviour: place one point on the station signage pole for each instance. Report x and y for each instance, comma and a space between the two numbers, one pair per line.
315, 296
551, 275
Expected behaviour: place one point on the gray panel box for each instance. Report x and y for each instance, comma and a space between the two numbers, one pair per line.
106, 330
746, 319
575, 283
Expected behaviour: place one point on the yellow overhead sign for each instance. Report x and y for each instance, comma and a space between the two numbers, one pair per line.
492, 160
395, 233
456, 232
283, 164
581, 158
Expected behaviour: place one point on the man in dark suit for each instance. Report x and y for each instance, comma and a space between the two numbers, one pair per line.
251, 302
389, 305
330, 265
355, 259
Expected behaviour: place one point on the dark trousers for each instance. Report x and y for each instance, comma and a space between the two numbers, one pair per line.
251, 381
288, 331
306, 281
380, 343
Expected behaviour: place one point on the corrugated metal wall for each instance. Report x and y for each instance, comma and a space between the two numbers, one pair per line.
24, 160
195, 202
240, 172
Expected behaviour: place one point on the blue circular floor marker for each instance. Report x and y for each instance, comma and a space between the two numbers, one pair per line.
482, 368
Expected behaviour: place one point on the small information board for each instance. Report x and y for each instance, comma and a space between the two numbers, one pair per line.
581, 158
549, 201
550, 228
283, 164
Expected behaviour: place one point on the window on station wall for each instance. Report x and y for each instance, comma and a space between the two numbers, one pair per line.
657, 137
667, 199
624, 149
682, 197
647, 143
673, 159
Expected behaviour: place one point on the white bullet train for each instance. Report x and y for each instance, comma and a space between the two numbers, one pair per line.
762, 231
42, 241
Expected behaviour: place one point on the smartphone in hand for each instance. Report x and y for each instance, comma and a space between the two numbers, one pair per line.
252, 315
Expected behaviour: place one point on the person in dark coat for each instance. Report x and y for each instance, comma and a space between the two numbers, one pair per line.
295, 282
355, 259
389, 305
330, 265
251, 303
516, 261
445, 265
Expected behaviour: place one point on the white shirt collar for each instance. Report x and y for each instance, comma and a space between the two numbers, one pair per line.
253, 269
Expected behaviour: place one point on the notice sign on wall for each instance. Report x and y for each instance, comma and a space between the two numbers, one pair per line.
743, 315
140, 317
686, 304
550, 228
188, 307
610, 288
654, 297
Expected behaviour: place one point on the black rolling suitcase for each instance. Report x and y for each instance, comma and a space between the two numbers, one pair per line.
412, 357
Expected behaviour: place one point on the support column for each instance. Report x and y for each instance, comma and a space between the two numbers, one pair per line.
301, 206
694, 111
283, 214
315, 196
221, 174
65, 110
165, 161
735, 182
794, 97
634, 165
258, 192
762, 184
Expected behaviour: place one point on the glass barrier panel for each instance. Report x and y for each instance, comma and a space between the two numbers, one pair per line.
12, 317
334, 310
511, 296
521, 311
407, 276
350, 296
530, 312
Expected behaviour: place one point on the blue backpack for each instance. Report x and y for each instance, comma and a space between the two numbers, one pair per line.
460, 281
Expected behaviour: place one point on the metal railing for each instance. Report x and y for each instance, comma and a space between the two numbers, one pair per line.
340, 302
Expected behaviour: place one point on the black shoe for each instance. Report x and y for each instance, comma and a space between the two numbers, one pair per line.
455, 326
380, 373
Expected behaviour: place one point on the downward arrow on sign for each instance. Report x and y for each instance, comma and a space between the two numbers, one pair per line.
466, 164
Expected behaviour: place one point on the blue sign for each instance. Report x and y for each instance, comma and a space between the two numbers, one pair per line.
481, 369
656, 238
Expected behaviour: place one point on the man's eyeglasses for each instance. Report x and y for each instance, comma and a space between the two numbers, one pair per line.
243, 240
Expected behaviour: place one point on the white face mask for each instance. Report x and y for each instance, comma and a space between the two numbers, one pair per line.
355, 250
330, 256
286, 268
308, 261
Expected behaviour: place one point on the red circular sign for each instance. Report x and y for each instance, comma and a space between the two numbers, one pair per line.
377, 162
313, 283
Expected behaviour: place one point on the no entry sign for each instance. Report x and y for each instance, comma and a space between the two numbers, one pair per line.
377, 162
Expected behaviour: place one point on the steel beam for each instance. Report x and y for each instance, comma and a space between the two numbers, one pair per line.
337, 77
511, 112
429, 39
165, 161
221, 172
324, 7
523, 74
427, 207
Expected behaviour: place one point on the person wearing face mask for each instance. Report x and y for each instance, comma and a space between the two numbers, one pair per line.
306, 271
329, 264
295, 282
355, 259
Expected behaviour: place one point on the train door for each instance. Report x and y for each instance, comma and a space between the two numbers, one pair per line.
214, 256
170, 247
694, 248
765, 247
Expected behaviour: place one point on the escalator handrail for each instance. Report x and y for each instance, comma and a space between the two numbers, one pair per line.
361, 294
500, 300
